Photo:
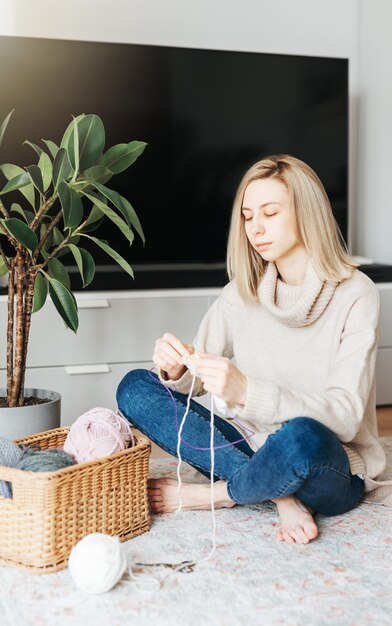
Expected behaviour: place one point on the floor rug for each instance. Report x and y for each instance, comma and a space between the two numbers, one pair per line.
343, 578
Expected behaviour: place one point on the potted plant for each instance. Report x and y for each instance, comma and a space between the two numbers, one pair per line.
65, 198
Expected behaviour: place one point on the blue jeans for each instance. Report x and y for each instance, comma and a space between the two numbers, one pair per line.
303, 457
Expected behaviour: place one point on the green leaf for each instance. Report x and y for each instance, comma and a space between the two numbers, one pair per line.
75, 147
3, 267
58, 271
28, 216
61, 167
89, 228
98, 173
119, 259
21, 232
85, 263
112, 215
40, 292
65, 140
94, 220
82, 185
91, 141
36, 178
64, 301
4, 125
57, 236
45, 166
75, 239
118, 158
10, 171
71, 204
36, 148
122, 205
21, 180
133, 218
53, 148
49, 241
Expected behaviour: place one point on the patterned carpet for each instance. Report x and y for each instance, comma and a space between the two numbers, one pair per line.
343, 578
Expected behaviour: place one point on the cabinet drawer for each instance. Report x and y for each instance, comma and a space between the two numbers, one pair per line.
110, 330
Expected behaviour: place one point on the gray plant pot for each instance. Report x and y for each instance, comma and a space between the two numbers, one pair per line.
22, 421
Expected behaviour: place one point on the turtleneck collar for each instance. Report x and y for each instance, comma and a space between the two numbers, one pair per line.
295, 305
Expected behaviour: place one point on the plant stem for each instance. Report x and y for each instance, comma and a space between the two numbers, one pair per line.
51, 226
28, 307
36, 221
18, 360
61, 245
10, 331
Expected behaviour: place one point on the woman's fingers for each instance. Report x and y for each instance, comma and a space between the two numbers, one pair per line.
176, 344
170, 352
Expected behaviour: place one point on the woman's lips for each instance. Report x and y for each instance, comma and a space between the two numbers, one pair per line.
261, 246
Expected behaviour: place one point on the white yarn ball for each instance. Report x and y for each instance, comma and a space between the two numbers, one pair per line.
97, 563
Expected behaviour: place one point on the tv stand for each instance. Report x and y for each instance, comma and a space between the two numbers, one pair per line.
182, 276
157, 276
378, 272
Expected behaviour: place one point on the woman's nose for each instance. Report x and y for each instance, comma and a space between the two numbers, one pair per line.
257, 227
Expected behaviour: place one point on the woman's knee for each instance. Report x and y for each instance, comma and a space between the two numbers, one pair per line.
132, 385
307, 439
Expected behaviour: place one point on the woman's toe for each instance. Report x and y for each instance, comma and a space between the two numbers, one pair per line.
311, 530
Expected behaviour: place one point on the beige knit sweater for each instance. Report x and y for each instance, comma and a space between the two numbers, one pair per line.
307, 350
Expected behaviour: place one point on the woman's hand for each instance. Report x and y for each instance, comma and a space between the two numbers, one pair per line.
221, 377
169, 353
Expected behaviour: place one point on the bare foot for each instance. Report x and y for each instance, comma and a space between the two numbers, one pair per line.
296, 521
163, 498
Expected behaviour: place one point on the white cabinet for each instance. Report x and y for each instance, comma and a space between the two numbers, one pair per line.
117, 333
384, 354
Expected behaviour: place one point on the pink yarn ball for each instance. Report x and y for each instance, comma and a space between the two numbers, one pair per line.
98, 433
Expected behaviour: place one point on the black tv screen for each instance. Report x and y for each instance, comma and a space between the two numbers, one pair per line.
207, 115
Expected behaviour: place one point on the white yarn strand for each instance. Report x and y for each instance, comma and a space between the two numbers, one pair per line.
179, 444
211, 473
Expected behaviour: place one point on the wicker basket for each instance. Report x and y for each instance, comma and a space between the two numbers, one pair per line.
51, 511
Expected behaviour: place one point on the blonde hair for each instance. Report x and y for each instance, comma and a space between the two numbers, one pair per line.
316, 226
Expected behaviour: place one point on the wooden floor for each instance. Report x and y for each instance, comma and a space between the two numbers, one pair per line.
384, 420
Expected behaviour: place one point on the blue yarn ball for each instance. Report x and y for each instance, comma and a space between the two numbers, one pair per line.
10, 455
48, 460
30, 458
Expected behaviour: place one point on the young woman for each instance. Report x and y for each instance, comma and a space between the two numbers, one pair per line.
301, 322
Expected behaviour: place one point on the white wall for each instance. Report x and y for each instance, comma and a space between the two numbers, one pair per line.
355, 29
373, 224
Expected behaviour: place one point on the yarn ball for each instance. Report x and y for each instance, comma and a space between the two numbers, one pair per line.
10, 454
48, 460
98, 433
97, 563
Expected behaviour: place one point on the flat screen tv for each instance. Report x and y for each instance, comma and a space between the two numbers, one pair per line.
206, 115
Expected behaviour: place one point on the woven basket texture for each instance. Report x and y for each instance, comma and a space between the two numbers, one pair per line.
51, 511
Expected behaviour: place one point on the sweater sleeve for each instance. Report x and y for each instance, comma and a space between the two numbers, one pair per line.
350, 377
214, 336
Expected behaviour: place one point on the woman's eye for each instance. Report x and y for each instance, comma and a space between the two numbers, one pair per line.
247, 219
